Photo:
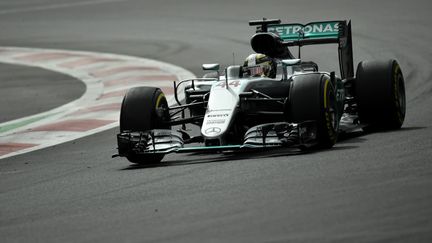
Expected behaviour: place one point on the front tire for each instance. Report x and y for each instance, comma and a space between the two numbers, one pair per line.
143, 109
380, 93
312, 97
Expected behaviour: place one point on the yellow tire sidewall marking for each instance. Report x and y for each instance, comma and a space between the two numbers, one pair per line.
325, 93
159, 99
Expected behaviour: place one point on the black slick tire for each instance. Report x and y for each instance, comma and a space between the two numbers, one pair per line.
142, 110
380, 94
312, 98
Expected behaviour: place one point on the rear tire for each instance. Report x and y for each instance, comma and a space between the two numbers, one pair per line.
142, 110
380, 93
312, 97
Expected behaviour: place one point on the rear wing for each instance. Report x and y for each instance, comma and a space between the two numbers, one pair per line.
326, 32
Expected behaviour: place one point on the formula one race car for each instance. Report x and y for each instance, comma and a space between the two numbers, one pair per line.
274, 100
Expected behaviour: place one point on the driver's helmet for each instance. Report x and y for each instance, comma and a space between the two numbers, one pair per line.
260, 65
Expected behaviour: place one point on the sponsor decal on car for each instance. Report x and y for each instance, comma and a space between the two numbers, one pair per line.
217, 115
296, 31
218, 121
234, 83
212, 131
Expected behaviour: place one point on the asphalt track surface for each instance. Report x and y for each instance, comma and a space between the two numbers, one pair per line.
28, 91
368, 188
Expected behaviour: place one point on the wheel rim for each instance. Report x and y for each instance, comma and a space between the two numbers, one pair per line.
161, 110
399, 91
401, 94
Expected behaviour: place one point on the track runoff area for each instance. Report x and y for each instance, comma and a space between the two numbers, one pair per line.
107, 78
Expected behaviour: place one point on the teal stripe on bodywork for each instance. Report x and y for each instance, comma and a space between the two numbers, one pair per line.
225, 148
202, 148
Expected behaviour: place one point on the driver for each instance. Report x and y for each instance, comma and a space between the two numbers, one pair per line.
260, 65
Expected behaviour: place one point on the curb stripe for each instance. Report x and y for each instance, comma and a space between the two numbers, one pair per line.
79, 125
113, 94
138, 79
104, 107
43, 57
107, 78
13, 147
107, 72
84, 61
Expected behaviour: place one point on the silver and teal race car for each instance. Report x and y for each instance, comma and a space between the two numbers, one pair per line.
298, 107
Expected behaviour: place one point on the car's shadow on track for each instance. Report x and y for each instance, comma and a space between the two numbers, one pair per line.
359, 136
203, 158
402, 129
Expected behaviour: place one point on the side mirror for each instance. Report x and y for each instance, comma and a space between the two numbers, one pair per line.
291, 62
288, 65
211, 67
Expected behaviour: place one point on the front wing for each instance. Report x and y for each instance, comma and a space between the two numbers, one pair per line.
261, 137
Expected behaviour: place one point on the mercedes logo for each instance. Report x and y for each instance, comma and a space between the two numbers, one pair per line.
212, 131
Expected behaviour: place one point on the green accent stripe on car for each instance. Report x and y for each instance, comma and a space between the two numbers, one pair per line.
201, 148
